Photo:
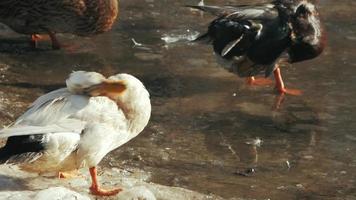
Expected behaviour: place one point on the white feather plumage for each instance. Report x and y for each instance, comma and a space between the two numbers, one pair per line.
80, 130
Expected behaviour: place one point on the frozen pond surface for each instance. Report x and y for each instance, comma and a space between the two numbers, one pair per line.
205, 119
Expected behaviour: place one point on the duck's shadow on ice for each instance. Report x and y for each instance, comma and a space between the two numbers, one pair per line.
8, 183
18, 45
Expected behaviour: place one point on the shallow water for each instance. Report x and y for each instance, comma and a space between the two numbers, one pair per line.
204, 118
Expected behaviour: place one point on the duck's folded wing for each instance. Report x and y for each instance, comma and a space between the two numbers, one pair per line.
59, 104
52, 108
50, 113
66, 125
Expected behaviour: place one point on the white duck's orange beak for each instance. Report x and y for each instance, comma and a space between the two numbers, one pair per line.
111, 89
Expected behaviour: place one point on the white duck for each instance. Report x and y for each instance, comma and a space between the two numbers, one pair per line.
76, 126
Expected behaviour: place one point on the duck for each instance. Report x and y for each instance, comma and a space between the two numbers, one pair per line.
250, 40
79, 17
76, 126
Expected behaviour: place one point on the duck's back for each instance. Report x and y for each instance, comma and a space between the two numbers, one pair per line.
81, 17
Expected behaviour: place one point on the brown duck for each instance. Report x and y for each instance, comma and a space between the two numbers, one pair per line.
79, 17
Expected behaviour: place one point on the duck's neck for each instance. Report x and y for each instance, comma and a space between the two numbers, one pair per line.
137, 113
309, 37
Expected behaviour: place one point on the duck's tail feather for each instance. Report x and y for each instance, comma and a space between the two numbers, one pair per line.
4, 156
27, 157
22, 149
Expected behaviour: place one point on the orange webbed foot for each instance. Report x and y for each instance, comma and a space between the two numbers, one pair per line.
102, 192
68, 175
252, 81
95, 188
34, 40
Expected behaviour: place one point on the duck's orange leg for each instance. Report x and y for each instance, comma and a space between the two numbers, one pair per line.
34, 40
95, 188
258, 81
280, 84
55, 42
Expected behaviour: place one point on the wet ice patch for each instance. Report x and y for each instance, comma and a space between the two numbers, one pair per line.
60, 193
139, 192
19, 185
173, 38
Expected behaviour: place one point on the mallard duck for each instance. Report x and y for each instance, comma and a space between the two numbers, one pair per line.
79, 17
255, 39
76, 126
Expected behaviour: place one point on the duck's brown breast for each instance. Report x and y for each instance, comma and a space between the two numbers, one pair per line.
80, 17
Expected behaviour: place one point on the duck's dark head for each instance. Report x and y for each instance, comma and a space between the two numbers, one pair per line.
305, 9
308, 36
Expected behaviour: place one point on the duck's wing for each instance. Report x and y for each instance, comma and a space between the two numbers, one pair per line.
54, 111
50, 113
237, 27
28, 137
242, 34
52, 107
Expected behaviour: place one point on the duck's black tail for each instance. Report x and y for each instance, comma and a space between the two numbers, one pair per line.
20, 149
4, 156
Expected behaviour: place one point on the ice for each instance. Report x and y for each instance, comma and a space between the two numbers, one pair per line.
173, 38
18, 195
136, 186
136, 193
60, 193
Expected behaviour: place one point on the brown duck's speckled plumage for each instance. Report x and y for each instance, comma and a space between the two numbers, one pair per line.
80, 17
